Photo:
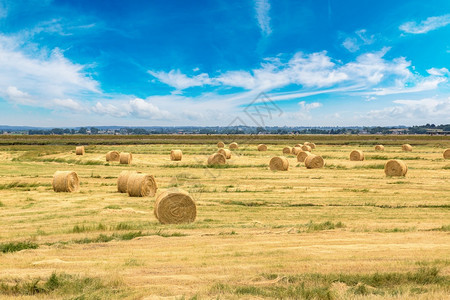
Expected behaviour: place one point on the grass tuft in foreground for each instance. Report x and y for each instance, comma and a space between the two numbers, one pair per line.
64, 285
321, 286
17, 246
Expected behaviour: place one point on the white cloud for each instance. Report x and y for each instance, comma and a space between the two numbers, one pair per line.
43, 77
304, 113
421, 86
315, 70
110, 109
414, 111
69, 104
145, 109
17, 96
425, 26
351, 44
262, 8
308, 106
354, 43
438, 72
180, 81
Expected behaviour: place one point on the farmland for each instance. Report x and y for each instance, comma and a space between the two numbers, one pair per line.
345, 231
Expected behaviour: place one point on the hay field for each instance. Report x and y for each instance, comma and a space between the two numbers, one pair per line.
345, 231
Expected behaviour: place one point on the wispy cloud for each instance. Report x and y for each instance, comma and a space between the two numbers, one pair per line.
181, 81
315, 70
412, 111
425, 26
262, 8
354, 42
3, 10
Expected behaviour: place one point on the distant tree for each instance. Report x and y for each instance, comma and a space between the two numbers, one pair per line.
94, 130
82, 130
57, 131
140, 131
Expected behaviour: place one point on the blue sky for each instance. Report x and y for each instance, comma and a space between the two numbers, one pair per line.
147, 63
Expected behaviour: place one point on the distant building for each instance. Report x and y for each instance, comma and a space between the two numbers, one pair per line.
434, 131
398, 130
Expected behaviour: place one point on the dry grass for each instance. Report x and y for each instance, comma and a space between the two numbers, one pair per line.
345, 231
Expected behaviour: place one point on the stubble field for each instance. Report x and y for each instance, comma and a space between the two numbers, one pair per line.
345, 231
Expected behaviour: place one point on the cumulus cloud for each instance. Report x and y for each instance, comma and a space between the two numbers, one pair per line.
429, 24
40, 78
69, 104
145, 109
438, 72
110, 109
262, 8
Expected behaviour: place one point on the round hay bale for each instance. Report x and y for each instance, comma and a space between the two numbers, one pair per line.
79, 150
298, 145
125, 158
122, 181
176, 155
287, 150
220, 145
379, 148
225, 152
314, 161
305, 143
356, 155
446, 154
406, 147
217, 159
395, 167
262, 147
141, 185
306, 148
175, 207
301, 156
312, 145
279, 163
112, 156
65, 181
296, 150
233, 145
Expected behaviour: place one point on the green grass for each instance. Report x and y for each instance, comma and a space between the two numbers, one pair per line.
327, 225
17, 246
442, 228
371, 166
335, 167
356, 190
86, 228
17, 184
2, 204
226, 166
112, 206
62, 286
104, 238
242, 203
320, 286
